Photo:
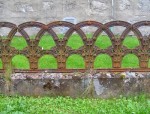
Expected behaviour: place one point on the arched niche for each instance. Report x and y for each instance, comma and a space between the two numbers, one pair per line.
75, 61
130, 61
20, 62
103, 61
47, 62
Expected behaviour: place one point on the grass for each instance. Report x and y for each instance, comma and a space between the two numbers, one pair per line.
66, 105
75, 61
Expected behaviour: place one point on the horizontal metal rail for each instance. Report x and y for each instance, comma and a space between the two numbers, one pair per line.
77, 70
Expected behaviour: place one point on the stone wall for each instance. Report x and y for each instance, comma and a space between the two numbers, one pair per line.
98, 85
18, 11
45, 11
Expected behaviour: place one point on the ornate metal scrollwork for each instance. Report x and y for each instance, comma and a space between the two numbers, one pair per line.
89, 51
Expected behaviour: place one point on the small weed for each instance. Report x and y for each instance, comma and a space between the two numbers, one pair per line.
7, 76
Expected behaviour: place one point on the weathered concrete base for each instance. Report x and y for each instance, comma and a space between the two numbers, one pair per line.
76, 86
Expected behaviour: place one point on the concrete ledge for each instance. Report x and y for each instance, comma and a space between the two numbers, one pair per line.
101, 85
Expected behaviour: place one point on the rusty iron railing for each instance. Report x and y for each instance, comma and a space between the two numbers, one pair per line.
89, 51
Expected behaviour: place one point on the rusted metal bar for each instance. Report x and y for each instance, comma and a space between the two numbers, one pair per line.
77, 70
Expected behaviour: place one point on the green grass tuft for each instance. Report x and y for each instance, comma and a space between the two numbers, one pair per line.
67, 105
